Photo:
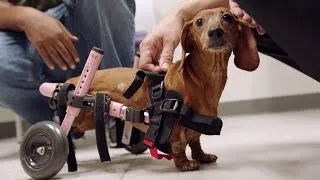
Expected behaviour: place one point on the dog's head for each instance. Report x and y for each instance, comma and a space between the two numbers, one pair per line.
218, 30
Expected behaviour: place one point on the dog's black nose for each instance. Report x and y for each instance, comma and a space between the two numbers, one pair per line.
216, 33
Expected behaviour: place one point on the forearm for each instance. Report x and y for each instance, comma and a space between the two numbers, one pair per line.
189, 8
13, 17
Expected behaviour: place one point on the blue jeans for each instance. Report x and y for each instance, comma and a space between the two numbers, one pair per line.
108, 24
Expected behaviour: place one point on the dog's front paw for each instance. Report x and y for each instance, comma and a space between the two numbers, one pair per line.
205, 158
190, 166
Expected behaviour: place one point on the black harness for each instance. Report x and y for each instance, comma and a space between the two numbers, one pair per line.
166, 108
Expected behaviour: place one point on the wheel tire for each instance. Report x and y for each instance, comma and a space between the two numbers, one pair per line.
44, 150
137, 146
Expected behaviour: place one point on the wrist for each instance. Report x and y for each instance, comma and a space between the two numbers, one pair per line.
24, 15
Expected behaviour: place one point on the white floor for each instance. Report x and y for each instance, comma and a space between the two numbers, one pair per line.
277, 146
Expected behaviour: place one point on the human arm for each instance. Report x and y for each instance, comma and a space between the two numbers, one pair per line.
50, 38
10, 16
158, 47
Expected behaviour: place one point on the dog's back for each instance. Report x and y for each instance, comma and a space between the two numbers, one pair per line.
114, 82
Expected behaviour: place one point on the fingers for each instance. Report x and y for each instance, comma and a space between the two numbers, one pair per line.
56, 58
148, 52
235, 8
146, 62
166, 56
71, 49
136, 62
68, 43
237, 11
43, 53
246, 17
63, 52
260, 30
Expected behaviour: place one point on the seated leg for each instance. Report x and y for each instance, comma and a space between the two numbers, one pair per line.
108, 25
20, 78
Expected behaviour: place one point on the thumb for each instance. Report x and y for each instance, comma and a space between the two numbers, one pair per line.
166, 56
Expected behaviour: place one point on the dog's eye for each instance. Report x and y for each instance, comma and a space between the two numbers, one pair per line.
227, 17
199, 22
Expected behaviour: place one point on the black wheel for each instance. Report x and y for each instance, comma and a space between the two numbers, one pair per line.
136, 143
44, 150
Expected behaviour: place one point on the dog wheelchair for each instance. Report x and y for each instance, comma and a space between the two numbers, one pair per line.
47, 145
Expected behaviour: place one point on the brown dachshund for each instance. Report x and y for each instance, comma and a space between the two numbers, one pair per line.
200, 77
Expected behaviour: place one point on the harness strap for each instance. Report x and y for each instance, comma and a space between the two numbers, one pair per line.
71, 160
137, 83
58, 103
154, 153
154, 114
188, 118
139, 79
203, 124
168, 106
99, 116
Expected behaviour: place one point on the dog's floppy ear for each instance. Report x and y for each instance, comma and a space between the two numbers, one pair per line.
186, 42
245, 50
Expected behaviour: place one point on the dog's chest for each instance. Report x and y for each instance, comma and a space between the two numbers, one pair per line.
205, 97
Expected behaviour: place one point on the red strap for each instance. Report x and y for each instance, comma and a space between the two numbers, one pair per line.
148, 143
154, 153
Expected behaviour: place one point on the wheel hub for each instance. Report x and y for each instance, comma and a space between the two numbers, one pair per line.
38, 150
41, 150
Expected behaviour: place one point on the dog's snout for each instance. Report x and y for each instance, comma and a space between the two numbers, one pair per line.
216, 33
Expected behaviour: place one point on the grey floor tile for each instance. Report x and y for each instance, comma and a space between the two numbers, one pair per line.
277, 146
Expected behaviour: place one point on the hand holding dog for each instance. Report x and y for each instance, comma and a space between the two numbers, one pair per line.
240, 13
158, 47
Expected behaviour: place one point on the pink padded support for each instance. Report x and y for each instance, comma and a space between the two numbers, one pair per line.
117, 110
82, 87
46, 89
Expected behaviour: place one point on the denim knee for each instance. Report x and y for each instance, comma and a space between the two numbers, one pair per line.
19, 80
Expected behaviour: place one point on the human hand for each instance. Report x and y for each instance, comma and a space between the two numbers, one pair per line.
51, 39
161, 43
240, 13
136, 62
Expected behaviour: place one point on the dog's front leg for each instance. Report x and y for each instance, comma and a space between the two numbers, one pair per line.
196, 150
179, 143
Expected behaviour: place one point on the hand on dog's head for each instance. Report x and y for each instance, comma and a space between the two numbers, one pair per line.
217, 30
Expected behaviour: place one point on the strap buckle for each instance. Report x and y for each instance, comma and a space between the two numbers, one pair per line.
170, 106
135, 116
